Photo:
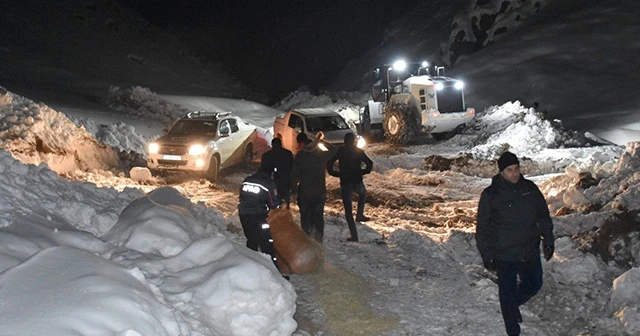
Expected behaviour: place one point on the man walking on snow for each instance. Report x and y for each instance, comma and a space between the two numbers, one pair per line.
350, 159
278, 161
512, 217
308, 181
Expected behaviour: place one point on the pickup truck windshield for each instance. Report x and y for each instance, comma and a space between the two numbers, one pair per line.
326, 123
194, 127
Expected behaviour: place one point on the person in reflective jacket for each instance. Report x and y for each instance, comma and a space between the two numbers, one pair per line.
350, 159
258, 195
512, 217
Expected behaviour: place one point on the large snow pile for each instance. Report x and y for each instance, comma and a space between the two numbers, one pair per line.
71, 250
302, 98
543, 146
145, 103
521, 130
119, 135
35, 133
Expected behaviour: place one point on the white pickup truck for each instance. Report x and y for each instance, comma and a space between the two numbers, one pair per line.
311, 121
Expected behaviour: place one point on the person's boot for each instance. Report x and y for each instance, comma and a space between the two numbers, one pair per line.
352, 239
362, 218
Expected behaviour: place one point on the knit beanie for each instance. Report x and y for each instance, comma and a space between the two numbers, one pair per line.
507, 159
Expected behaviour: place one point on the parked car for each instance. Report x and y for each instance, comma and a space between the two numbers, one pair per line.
310, 122
203, 143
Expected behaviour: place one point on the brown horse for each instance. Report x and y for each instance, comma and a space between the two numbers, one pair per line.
296, 252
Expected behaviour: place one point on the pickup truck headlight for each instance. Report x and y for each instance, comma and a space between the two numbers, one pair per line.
197, 150
361, 142
154, 148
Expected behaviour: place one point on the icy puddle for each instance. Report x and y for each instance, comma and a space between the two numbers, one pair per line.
344, 297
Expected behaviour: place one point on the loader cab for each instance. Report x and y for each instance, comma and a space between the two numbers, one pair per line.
388, 79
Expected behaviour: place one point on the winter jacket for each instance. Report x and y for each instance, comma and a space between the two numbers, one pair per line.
308, 171
279, 161
511, 220
258, 195
350, 159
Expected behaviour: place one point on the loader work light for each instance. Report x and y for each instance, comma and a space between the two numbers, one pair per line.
425, 64
399, 65
439, 86
459, 85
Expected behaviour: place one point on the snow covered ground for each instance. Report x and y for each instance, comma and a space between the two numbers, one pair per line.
99, 249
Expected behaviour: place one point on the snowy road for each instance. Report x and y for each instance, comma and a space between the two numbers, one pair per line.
415, 270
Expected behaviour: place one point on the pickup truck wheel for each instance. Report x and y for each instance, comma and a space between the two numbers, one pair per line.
247, 157
214, 169
399, 127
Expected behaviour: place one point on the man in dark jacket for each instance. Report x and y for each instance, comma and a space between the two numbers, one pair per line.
350, 159
308, 182
258, 195
512, 217
278, 161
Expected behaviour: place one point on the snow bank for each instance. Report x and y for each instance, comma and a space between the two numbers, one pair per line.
543, 146
62, 291
29, 189
624, 300
570, 266
35, 133
163, 268
163, 222
302, 98
145, 103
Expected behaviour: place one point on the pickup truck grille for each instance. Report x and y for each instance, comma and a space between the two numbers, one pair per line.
173, 150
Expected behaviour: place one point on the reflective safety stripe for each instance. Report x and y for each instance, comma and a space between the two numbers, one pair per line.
253, 188
271, 240
265, 226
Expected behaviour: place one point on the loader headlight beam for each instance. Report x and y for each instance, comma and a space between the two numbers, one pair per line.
399, 65
459, 85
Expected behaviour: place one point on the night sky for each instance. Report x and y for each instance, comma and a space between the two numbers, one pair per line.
275, 47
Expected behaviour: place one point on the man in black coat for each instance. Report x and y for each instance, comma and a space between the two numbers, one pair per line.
258, 195
350, 159
512, 217
308, 182
278, 161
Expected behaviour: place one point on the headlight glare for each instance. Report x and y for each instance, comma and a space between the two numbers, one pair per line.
197, 150
439, 86
459, 85
154, 148
361, 142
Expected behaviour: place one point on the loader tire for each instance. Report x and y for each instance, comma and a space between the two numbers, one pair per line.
399, 125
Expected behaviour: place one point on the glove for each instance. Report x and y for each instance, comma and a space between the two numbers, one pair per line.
548, 250
490, 264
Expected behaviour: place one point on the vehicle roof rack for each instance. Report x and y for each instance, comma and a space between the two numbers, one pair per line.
214, 115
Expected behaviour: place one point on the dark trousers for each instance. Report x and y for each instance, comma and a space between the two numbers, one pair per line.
347, 190
284, 190
258, 234
312, 216
514, 293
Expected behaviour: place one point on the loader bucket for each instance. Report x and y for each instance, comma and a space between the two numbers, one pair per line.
296, 252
